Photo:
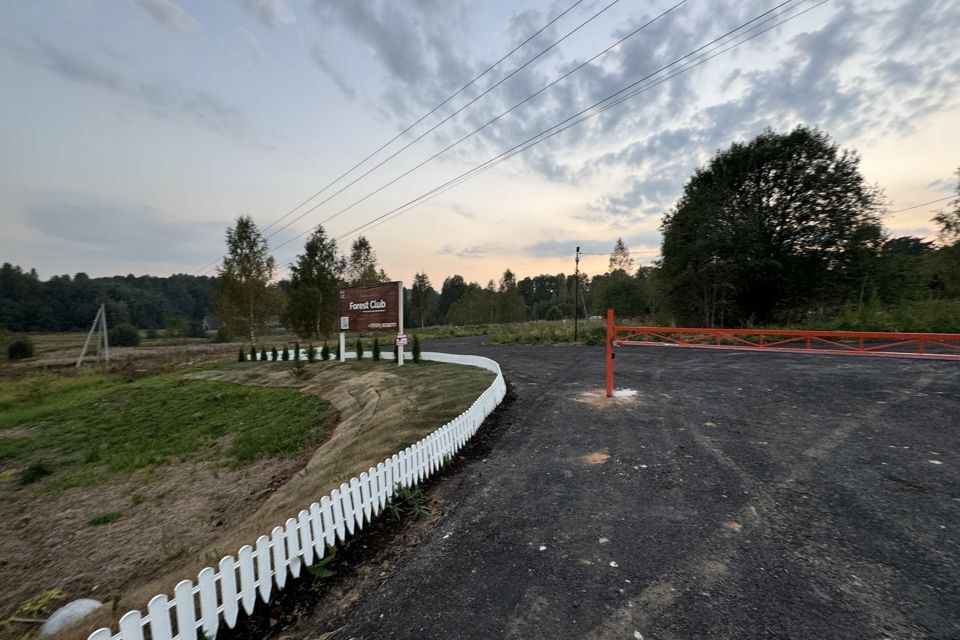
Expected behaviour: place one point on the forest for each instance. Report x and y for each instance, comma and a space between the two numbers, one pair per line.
782, 230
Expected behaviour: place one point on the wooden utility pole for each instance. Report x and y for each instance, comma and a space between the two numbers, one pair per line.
100, 327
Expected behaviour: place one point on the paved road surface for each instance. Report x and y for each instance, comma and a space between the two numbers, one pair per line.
737, 495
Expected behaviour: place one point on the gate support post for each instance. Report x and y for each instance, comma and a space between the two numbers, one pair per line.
611, 336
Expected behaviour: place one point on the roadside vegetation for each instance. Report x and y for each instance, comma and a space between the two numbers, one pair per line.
118, 480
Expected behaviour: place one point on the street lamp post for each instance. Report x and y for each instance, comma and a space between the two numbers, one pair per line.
576, 295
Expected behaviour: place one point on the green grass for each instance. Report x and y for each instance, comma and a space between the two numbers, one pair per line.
87, 428
104, 518
591, 332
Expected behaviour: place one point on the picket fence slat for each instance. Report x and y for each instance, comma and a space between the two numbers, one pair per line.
186, 613
131, 626
304, 539
159, 611
264, 575
228, 590
278, 545
209, 616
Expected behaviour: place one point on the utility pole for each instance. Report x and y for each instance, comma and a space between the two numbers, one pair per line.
576, 295
100, 327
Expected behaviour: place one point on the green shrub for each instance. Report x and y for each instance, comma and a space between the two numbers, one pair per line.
286, 354
34, 472
396, 352
20, 348
553, 313
124, 335
241, 357
296, 351
263, 353
223, 335
175, 327
311, 353
359, 349
324, 351
274, 354
253, 353
152, 334
195, 329
376, 349
415, 349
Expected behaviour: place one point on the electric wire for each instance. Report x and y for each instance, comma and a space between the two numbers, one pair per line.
600, 108
418, 121
917, 206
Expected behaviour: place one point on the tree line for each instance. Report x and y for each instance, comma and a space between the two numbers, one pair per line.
780, 230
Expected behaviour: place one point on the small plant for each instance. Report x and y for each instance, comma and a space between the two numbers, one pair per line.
320, 570
311, 353
274, 355
336, 350
324, 351
407, 501
396, 352
104, 518
296, 351
241, 356
359, 349
124, 335
415, 349
20, 348
263, 354
376, 349
223, 335
299, 370
286, 354
34, 472
152, 334
253, 353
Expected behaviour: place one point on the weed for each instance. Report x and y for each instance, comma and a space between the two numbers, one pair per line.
137, 499
35, 472
407, 501
321, 570
104, 518
299, 370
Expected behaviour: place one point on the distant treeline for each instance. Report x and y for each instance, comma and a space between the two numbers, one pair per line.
68, 303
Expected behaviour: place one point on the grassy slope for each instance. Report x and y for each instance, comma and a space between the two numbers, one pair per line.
87, 429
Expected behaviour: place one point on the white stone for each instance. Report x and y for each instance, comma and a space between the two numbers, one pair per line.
68, 614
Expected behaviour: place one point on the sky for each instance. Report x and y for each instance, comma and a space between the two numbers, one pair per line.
133, 132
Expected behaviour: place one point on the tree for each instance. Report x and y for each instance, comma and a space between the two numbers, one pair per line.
510, 304
949, 220
361, 268
314, 283
620, 258
453, 289
767, 229
244, 299
421, 294
124, 335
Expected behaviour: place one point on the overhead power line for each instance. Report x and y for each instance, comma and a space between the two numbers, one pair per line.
481, 127
441, 123
631, 90
917, 206
419, 120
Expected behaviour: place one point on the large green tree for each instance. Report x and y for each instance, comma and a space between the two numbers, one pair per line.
361, 267
244, 297
314, 283
421, 296
767, 230
454, 287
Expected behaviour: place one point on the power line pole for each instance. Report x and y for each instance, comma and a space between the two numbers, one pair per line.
576, 295
100, 327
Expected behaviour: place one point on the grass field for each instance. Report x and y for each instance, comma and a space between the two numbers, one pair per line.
115, 482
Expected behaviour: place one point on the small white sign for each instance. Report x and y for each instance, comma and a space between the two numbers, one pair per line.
344, 323
402, 339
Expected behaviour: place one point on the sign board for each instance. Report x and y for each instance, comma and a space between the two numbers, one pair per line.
371, 308
401, 339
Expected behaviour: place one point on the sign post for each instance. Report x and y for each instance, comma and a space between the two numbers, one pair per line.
399, 346
374, 308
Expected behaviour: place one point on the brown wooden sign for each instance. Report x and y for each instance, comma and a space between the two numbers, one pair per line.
372, 308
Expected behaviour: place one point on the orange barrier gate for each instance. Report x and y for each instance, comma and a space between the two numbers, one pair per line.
938, 346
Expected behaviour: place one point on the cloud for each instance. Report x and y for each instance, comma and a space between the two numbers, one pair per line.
168, 100
566, 248
137, 234
477, 251
321, 61
168, 14
272, 13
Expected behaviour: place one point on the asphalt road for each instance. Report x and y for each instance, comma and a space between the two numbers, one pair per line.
736, 495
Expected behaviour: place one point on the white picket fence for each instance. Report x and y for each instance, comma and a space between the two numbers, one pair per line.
239, 581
